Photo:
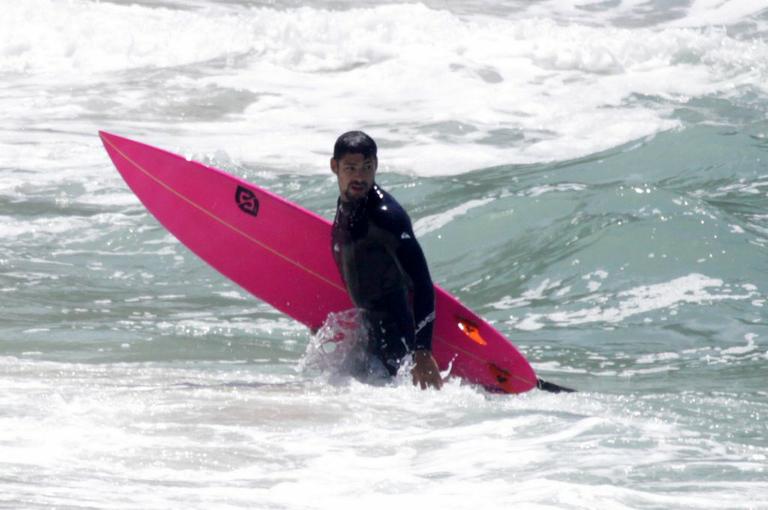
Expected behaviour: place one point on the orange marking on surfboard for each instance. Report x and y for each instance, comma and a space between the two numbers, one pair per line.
221, 220
472, 332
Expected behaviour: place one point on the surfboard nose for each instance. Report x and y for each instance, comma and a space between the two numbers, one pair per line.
110, 141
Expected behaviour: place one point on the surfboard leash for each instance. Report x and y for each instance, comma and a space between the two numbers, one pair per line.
552, 387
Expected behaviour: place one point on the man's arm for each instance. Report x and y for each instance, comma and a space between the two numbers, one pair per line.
411, 258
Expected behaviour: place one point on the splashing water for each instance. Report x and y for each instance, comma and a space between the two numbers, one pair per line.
338, 347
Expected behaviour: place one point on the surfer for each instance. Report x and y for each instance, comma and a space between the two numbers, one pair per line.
382, 264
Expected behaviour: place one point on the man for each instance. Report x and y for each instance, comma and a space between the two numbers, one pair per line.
381, 263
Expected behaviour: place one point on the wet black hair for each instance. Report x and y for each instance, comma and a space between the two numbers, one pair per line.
354, 142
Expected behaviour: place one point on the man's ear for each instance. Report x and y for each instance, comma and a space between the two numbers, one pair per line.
334, 166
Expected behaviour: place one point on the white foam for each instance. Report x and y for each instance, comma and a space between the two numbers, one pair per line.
75, 37
200, 326
657, 356
615, 308
719, 12
537, 191
12, 228
738, 350
524, 88
695, 13
428, 224
537, 293
216, 435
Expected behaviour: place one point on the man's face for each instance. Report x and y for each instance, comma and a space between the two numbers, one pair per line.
355, 174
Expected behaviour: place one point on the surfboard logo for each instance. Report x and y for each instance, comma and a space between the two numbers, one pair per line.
246, 200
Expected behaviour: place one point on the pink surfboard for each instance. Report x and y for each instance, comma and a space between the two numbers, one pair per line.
281, 253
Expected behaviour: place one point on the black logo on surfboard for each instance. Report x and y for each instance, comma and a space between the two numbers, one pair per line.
246, 200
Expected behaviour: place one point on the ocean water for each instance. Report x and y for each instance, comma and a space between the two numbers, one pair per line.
588, 175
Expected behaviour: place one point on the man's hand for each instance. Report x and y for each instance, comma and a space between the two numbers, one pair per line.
425, 372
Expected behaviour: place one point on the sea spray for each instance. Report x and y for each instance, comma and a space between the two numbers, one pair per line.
338, 347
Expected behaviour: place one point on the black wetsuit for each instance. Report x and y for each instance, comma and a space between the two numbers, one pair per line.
386, 275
